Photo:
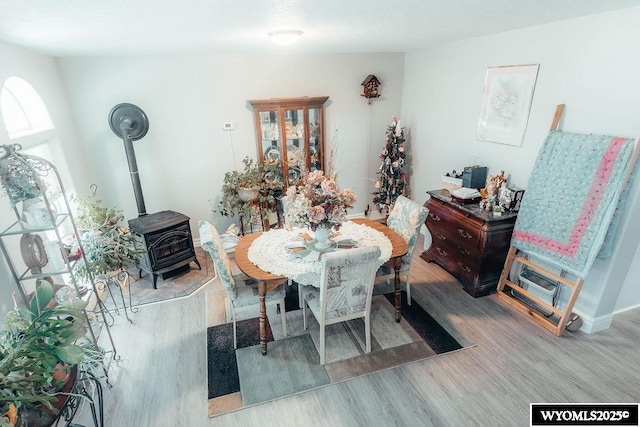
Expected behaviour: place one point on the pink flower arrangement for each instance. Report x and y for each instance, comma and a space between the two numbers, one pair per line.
318, 201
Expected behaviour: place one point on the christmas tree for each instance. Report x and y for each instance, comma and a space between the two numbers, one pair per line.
392, 177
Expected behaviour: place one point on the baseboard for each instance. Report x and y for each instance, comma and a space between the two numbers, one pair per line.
591, 325
374, 214
633, 307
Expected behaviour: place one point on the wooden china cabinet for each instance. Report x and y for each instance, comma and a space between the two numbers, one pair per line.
290, 136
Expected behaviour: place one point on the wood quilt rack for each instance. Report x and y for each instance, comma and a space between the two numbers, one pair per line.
550, 317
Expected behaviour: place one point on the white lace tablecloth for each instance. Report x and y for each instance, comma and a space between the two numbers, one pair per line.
270, 253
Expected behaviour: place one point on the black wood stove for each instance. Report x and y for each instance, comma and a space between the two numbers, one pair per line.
166, 235
167, 239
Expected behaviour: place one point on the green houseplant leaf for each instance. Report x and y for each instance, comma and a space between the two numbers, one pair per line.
70, 354
42, 297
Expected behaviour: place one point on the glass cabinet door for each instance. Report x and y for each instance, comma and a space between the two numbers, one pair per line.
270, 144
289, 132
315, 142
296, 153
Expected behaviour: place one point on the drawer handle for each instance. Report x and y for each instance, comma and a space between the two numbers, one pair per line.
464, 267
434, 217
464, 234
440, 236
441, 252
464, 251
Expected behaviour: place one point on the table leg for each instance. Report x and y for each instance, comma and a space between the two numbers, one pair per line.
397, 264
262, 292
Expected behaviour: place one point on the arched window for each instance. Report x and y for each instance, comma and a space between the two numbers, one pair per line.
23, 111
29, 124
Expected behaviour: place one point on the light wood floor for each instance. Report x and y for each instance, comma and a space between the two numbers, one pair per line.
161, 378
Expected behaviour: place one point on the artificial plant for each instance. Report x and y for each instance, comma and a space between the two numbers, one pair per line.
391, 181
20, 174
253, 177
107, 244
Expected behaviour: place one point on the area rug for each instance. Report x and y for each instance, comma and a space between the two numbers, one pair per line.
185, 283
241, 378
222, 372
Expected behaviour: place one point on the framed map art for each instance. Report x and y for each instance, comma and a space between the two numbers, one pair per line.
506, 102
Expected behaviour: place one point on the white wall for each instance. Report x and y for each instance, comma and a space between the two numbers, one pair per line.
589, 64
183, 158
630, 286
41, 72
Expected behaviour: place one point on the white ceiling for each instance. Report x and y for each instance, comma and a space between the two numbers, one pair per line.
124, 27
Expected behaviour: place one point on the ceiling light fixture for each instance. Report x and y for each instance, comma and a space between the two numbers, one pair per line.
285, 37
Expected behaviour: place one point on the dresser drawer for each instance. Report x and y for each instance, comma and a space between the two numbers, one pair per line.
454, 226
438, 207
454, 245
455, 256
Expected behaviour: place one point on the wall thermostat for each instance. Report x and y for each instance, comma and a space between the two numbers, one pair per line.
228, 126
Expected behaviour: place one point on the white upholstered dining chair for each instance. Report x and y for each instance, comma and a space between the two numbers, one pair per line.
241, 297
289, 223
346, 287
405, 218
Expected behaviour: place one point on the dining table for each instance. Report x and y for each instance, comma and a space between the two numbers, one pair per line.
268, 281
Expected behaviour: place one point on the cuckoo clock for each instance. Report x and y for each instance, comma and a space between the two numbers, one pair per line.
370, 87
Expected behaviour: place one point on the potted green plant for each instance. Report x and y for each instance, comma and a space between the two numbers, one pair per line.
244, 192
108, 245
39, 346
18, 176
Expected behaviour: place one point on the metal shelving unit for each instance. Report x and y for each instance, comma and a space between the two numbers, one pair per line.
56, 226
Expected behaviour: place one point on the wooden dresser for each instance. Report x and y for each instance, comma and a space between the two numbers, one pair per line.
468, 242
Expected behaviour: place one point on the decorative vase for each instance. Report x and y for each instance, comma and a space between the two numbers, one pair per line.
35, 213
322, 236
248, 194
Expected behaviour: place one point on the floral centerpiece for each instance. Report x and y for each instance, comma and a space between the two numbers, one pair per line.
318, 202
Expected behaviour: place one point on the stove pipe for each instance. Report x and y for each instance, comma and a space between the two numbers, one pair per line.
127, 126
131, 124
